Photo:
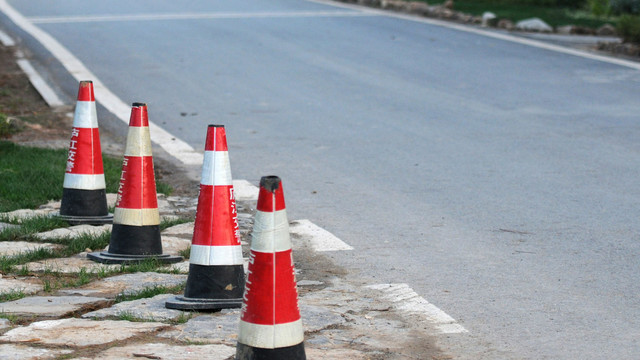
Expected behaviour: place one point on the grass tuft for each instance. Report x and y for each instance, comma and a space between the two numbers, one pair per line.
150, 292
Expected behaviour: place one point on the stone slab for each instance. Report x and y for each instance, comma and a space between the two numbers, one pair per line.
185, 229
50, 306
74, 231
152, 309
11, 248
218, 328
69, 265
315, 318
79, 332
166, 351
30, 285
23, 352
174, 245
27, 213
129, 283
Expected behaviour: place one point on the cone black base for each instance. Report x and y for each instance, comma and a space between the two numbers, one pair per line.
183, 303
246, 352
211, 287
88, 220
111, 258
85, 207
135, 240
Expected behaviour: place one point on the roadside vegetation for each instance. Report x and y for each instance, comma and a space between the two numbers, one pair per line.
32, 176
623, 14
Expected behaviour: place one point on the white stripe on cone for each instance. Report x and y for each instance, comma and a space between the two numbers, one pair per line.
138, 142
85, 115
216, 169
271, 232
216, 255
271, 336
136, 217
83, 181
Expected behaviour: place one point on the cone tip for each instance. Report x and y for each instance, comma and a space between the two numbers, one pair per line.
85, 91
218, 126
270, 183
138, 104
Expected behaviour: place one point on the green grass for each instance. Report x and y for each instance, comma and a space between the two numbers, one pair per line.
71, 246
32, 176
29, 226
552, 14
12, 295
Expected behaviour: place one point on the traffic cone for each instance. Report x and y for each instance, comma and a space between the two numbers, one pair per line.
135, 235
270, 323
84, 198
216, 274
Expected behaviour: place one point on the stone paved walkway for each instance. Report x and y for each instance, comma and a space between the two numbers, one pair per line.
87, 322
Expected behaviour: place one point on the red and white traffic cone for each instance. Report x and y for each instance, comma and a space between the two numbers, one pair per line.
135, 235
270, 323
216, 274
84, 198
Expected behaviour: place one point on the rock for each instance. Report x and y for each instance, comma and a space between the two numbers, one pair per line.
19, 285
489, 19
133, 283
221, 328
152, 309
448, 4
185, 229
397, 5
166, 351
316, 318
74, 231
565, 30
69, 265
174, 245
23, 352
606, 30
79, 332
533, 24
506, 24
50, 306
11, 248
418, 8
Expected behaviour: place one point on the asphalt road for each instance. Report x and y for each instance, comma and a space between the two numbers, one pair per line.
497, 179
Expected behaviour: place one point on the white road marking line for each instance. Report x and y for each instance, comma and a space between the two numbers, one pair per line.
47, 93
408, 301
191, 16
321, 240
486, 33
174, 146
245, 191
6, 40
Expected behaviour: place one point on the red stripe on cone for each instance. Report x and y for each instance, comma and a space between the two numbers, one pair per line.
137, 188
216, 139
139, 116
271, 296
270, 202
85, 91
85, 153
216, 226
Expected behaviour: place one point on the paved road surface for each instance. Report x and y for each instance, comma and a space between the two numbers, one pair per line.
499, 180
